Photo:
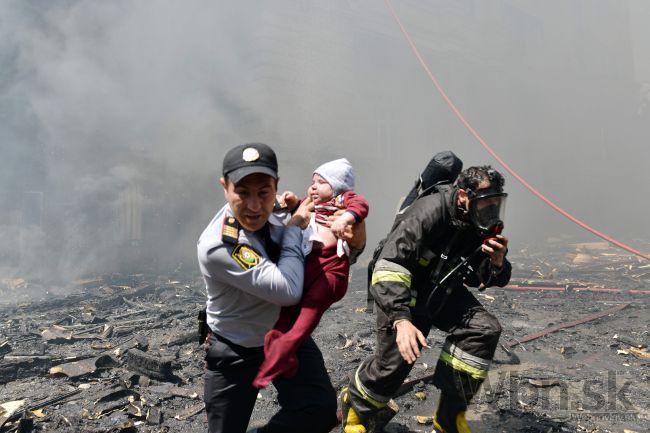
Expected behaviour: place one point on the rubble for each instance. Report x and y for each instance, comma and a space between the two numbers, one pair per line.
190, 412
7, 410
97, 335
639, 353
15, 367
87, 366
150, 365
5, 348
56, 333
112, 400
154, 416
556, 328
580, 265
119, 353
544, 383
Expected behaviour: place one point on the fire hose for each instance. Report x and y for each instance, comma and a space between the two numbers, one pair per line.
480, 139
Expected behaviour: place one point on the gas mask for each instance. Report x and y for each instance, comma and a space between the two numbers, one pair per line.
487, 209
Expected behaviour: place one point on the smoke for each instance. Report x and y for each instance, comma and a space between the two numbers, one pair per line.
114, 116
115, 108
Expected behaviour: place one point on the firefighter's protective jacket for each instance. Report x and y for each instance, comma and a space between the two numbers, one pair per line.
429, 228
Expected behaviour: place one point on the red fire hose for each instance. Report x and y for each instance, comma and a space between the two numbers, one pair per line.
476, 135
575, 289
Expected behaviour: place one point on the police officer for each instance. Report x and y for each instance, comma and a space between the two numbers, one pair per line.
251, 259
429, 240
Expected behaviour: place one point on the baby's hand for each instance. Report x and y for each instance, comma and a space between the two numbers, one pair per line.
302, 214
290, 200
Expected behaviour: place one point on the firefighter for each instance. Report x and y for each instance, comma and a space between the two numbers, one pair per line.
449, 236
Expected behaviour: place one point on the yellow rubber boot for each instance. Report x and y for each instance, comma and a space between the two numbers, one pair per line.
350, 418
460, 426
352, 423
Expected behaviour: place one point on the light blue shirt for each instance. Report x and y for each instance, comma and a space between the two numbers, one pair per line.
243, 304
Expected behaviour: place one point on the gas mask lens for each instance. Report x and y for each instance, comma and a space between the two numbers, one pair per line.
487, 211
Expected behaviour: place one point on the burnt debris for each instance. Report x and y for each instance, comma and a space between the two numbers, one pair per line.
120, 353
113, 356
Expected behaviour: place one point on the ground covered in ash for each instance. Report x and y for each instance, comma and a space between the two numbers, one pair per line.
118, 354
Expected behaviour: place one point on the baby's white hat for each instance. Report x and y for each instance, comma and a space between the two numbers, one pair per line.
338, 174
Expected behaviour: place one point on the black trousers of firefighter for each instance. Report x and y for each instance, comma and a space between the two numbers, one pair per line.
462, 366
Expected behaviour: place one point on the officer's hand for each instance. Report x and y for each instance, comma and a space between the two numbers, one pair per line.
353, 233
356, 235
302, 214
340, 223
409, 339
335, 216
338, 227
496, 250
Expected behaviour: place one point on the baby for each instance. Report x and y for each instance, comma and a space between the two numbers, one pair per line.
327, 266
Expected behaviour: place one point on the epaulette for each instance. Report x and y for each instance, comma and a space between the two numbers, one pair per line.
230, 231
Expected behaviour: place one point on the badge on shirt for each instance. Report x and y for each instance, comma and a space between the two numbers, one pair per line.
246, 256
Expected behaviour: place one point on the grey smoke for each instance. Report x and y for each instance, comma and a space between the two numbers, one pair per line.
114, 116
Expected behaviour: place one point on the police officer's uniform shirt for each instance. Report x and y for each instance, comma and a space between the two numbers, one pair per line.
245, 288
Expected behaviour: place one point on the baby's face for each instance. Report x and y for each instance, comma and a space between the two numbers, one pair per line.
320, 191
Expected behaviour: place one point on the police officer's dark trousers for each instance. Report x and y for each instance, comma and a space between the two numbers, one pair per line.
461, 368
307, 400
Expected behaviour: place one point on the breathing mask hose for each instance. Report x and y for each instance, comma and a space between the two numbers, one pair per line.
447, 290
492, 234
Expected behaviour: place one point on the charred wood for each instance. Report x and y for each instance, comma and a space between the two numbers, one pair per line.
19, 367
153, 366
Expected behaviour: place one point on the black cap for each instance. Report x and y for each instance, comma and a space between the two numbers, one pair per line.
245, 159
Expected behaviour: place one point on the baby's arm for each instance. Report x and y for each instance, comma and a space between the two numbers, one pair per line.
289, 200
355, 204
356, 210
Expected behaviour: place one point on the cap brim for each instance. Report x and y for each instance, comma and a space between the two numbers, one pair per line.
237, 175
